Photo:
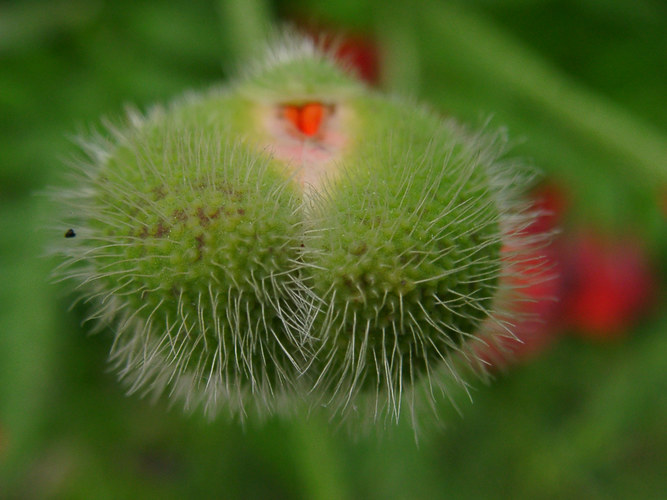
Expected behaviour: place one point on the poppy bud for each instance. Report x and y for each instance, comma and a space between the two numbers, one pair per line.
295, 236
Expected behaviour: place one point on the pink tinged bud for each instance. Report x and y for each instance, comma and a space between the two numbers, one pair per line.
535, 314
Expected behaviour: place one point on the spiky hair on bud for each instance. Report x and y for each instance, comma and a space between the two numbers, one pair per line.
408, 249
295, 237
185, 245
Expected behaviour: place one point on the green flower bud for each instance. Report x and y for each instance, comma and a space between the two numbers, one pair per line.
293, 236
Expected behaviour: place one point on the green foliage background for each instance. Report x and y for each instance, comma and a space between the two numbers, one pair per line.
583, 84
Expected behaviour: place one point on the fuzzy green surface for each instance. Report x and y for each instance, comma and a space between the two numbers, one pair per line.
407, 255
227, 283
190, 240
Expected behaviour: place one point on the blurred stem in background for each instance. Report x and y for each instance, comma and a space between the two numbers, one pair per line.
23, 24
245, 25
29, 360
401, 72
491, 53
318, 460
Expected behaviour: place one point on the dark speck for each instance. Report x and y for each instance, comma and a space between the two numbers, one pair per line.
161, 230
70, 233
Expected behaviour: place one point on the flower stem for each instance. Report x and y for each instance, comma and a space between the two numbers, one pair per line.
244, 26
496, 57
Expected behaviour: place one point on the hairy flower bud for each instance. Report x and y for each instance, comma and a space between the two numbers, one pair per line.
294, 236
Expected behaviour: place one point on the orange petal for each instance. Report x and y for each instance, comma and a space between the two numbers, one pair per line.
292, 114
311, 118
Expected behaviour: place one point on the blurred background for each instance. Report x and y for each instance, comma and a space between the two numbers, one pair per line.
579, 412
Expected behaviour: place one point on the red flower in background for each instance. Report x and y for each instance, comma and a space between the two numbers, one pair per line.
356, 51
593, 286
536, 273
609, 284
362, 54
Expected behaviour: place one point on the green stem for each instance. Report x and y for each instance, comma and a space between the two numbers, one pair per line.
400, 61
245, 25
493, 53
23, 23
318, 460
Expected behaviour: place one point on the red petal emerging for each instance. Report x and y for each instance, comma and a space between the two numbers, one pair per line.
307, 118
